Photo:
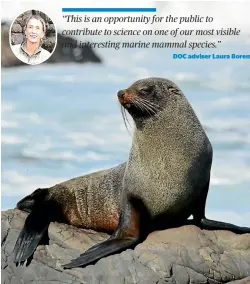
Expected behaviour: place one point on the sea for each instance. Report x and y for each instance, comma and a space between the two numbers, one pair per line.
61, 121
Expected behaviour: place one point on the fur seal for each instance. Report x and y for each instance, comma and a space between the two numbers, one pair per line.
165, 180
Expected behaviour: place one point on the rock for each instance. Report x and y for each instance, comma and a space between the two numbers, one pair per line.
180, 255
17, 28
60, 55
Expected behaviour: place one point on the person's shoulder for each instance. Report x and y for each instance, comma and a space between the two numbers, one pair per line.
16, 47
45, 52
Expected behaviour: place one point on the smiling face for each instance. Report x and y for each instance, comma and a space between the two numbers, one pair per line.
34, 31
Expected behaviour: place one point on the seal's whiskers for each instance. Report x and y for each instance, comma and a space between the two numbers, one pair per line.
147, 106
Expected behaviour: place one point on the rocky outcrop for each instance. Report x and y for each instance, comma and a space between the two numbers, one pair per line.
181, 255
66, 49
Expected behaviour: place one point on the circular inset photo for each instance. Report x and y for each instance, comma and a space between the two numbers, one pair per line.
33, 37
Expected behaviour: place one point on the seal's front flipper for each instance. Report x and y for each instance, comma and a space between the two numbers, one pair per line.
95, 246
101, 250
127, 235
217, 225
35, 225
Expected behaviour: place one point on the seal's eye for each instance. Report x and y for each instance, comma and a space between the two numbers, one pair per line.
145, 90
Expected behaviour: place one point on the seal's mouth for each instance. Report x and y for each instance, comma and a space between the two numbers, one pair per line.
125, 99
138, 105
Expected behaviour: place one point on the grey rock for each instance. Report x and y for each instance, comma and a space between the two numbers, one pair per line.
50, 28
17, 28
18, 37
180, 255
49, 42
20, 21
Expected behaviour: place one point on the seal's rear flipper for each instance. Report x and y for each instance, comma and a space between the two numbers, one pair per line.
30, 236
101, 250
217, 225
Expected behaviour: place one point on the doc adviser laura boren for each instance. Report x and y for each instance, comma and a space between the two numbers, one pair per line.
30, 51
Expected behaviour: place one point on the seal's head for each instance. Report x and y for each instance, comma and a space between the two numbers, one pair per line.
147, 97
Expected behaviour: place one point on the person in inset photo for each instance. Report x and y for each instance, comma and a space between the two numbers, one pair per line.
30, 50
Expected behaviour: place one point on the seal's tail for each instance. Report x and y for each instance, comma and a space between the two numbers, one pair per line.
217, 225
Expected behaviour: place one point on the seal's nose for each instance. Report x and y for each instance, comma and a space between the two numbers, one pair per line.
120, 94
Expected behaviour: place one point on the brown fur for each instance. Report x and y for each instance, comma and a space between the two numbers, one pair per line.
91, 201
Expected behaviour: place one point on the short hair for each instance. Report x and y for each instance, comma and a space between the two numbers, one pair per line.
37, 17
